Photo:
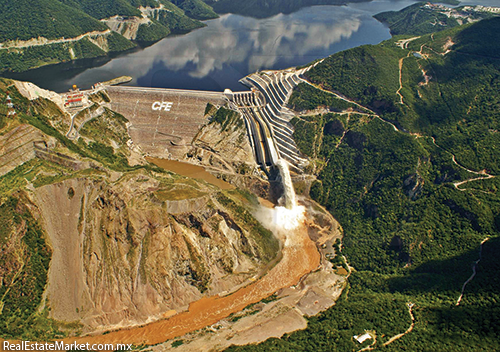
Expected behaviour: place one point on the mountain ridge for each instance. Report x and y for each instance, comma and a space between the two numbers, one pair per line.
414, 183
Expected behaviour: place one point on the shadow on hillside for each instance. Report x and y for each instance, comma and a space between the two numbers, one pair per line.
448, 276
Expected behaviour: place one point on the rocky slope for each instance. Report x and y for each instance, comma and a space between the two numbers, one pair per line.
92, 243
130, 260
222, 144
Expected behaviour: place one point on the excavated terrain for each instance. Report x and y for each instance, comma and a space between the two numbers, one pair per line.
123, 256
153, 255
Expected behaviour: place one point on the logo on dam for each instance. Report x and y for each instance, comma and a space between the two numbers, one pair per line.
166, 106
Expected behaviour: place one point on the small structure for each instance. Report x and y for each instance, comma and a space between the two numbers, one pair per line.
10, 107
74, 99
362, 338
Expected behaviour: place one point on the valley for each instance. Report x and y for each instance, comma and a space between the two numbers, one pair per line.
108, 205
348, 204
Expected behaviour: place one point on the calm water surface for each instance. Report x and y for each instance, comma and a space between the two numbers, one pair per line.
231, 47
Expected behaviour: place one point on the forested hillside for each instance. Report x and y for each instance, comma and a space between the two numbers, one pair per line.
424, 18
414, 184
268, 8
105, 9
63, 22
196, 9
51, 20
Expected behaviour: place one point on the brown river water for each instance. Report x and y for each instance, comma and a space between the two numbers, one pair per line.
210, 310
190, 170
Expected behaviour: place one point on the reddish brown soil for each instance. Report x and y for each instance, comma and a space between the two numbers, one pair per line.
208, 311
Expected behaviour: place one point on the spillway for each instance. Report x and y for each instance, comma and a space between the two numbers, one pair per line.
289, 192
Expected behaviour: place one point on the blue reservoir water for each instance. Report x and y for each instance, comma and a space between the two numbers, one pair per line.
231, 47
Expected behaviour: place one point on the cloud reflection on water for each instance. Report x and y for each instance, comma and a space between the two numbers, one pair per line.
233, 46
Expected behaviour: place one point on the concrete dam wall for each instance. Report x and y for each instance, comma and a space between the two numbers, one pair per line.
163, 122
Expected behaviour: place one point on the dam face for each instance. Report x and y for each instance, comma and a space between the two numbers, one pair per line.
163, 122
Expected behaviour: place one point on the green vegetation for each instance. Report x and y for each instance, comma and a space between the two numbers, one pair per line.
117, 43
24, 273
105, 9
145, 3
307, 134
420, 19
458, 105
71, 18
152, 32
36, 56
51, 20
307, 97
99, 148
262, 236
416, 19
368, 73
268, 8
24, 254
226, 118
177, 22
177, 343
107, 128
410, 234
196, 9
18, 60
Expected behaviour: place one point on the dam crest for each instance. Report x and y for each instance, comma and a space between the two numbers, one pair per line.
164, 122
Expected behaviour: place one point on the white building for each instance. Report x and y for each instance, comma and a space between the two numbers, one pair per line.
362, 338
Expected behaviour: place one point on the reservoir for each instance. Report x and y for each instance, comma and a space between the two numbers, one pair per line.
230, 47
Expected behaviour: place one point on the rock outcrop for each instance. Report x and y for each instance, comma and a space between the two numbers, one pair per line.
120, 257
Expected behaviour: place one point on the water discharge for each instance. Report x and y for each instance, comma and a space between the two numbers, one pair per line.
288, 215
288, 223
288, 193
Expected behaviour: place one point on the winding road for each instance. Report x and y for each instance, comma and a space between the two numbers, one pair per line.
473, 272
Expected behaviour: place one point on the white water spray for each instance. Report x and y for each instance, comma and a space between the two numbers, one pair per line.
289, 192
283, 219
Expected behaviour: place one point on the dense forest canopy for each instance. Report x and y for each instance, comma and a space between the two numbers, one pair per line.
415, 186
106, 9
51, 19
423, 18
268, 8
64, 20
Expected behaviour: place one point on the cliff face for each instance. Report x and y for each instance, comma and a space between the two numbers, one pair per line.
222, 144
89, 240
119, 258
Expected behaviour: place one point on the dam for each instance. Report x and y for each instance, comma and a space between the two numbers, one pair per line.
164, 122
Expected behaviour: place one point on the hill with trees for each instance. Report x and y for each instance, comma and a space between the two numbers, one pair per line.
414, 184
425, 17
196, 9
268, 8
67, 30
51, 20
108, 8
